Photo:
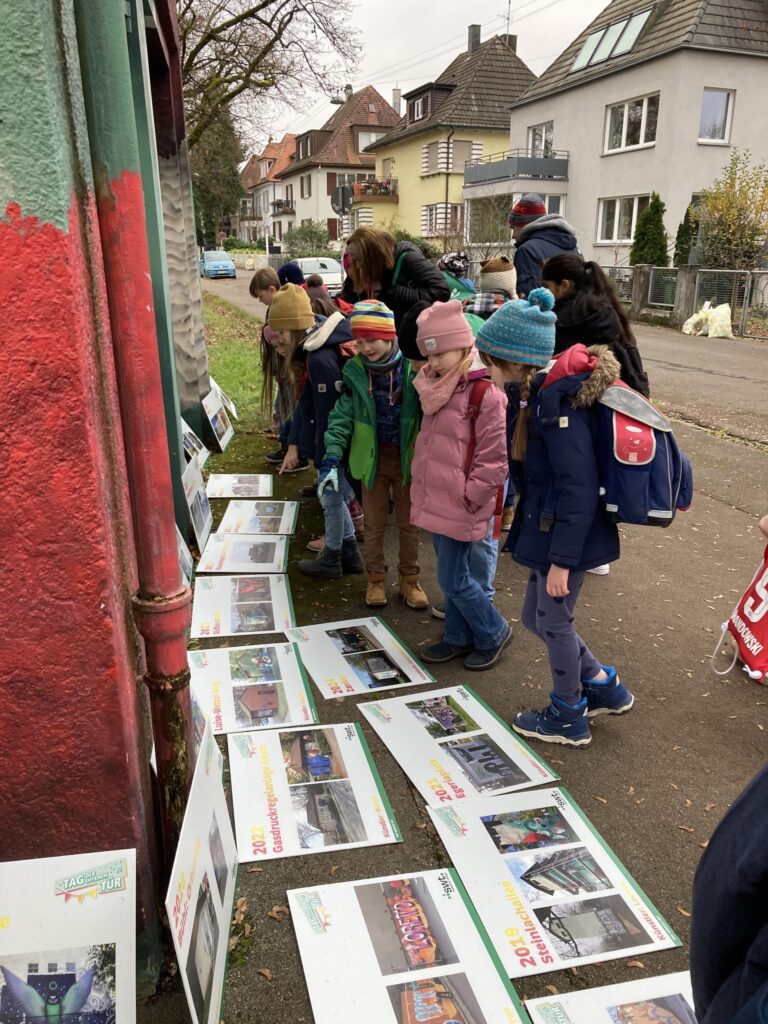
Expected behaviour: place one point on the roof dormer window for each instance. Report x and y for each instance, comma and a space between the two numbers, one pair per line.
418, 109
611, 40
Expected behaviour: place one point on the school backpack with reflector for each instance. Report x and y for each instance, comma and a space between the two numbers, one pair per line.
644, 477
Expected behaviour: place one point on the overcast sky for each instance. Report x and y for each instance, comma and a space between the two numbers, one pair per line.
408, 42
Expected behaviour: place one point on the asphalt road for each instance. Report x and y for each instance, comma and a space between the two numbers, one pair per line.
656, 782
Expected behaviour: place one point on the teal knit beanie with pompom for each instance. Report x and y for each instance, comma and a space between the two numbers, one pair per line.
522, 330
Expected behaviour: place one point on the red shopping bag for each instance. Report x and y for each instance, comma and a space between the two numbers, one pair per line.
748, 626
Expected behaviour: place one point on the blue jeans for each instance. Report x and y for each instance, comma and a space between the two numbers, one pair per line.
338, 522
483, 556
470, 617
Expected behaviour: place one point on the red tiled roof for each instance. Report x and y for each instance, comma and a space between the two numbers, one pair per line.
279, 152
338, 148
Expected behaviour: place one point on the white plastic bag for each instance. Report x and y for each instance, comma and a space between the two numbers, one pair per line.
719, 325
699, 322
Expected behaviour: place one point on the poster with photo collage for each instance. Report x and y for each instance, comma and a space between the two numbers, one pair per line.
240, 606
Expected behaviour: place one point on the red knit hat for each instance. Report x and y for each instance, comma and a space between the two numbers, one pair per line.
527, 209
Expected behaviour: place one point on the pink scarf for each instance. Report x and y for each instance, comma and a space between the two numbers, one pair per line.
434, 390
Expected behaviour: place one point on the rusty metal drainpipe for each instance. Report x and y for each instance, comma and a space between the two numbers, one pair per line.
162, 606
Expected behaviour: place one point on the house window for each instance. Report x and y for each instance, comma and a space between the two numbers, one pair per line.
440, 218
611, 40
32, 969
554, 203
371, 108
289, 194
278, 230
367, 138
305, 186
53, 968
333, 228
715, 120
462, 152
387, 167
243, 207
540, 139
418, 109
617, 218
305, 147
632, 124
433, 157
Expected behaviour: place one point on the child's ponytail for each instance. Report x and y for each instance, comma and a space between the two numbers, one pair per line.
520, 436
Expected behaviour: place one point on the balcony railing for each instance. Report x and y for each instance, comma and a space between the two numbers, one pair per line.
383, 188
283, 206
518, 163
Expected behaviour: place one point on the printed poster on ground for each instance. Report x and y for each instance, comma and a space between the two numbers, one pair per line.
193, 446
310, 790
221, 426
239, 485
67, 939
453, 747
232, 552
270, 517
399, 950
357, 656
227, 402
244, 688
241, 606
548, 889
197, 502
186, 563
202, 887
664, 1000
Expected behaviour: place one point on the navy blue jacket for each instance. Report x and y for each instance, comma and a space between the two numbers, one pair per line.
324, 362
729, 926
548, 236
560, 518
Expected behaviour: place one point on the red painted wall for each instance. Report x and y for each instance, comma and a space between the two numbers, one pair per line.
73, 774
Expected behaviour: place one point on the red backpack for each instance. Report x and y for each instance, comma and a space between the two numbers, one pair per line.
479, 388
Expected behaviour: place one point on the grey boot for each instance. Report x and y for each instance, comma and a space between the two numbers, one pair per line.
351, 559
327, 565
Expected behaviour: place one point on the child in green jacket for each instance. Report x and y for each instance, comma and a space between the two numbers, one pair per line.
377, 417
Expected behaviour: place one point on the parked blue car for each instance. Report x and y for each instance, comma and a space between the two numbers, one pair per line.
217, 264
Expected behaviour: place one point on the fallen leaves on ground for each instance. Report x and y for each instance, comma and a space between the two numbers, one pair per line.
278, 912
683, 911
637, 964
685, 828
264, 972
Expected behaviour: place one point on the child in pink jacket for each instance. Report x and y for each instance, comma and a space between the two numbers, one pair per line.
459, 465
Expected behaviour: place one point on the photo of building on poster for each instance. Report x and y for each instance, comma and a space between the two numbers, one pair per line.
356, 656
197, 502
539, 874
244, 688
400, 950
260, 517
226, 401
186, 563
453, 747
239, 485
59, 984
664, 1000
240, 605
305, 791
232, 553
193, 446
202, 886
222, 429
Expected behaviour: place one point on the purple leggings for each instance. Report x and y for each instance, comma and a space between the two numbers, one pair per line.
551, 619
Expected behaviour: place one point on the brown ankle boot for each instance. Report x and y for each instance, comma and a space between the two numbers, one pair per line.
412, 594
376, 594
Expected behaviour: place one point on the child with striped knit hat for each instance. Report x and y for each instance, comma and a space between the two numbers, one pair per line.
377, 419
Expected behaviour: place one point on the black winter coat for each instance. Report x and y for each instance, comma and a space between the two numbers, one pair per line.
541, 239
560, 519
598, 324
418, 281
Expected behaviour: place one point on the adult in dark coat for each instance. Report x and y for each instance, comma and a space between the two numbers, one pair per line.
588, 311
538, 235
729, 933
396, 273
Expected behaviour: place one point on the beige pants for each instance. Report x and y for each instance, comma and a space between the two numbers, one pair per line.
389, 475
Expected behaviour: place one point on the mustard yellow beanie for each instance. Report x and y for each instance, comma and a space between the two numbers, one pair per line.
291, 309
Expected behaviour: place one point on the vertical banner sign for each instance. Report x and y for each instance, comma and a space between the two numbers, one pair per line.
67, 939
202, 887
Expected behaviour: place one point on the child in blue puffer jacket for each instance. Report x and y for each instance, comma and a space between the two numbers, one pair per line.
560, 528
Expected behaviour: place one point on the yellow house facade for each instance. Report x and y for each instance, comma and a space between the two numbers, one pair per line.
462, 117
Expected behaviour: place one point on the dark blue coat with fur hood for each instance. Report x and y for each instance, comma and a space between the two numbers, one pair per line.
560, 518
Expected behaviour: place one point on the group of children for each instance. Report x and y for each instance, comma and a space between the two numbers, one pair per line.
485, 410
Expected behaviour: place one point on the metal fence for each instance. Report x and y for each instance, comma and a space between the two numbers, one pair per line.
662, 287
623, 278
725, 286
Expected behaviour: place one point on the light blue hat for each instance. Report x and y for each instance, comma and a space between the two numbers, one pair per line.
522, 330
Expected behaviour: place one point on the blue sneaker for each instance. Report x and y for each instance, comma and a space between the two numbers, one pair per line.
607, 697
557, 723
